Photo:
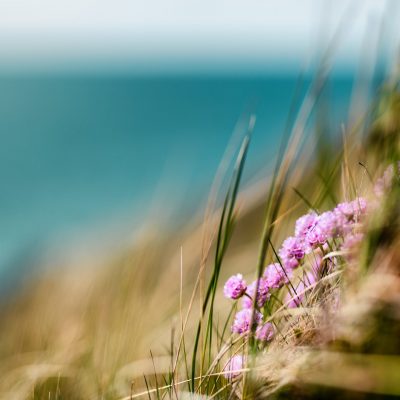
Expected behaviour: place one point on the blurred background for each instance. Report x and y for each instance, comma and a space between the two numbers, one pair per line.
115, 114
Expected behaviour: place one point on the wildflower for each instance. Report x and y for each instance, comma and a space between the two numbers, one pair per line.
344, 214
235, 287
316, 237
305, 223
327, 223
345, 209
263, 293
234, 366
275, 276
350, 211
265, 332
291, 252
242, 321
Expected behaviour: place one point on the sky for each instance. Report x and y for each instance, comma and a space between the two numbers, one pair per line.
179, 33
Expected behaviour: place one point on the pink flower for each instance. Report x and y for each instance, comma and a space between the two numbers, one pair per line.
233, 367
351, 210
316, 237
263, 293
325, 228
265, 332
291, 252
275, 276
305, 223
327, 223
242, 321
235, 287
348, 213
346, 209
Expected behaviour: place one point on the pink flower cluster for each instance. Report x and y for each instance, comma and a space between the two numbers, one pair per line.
315, 235
313, 231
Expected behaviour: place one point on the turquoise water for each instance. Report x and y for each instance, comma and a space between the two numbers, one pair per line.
79, 152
